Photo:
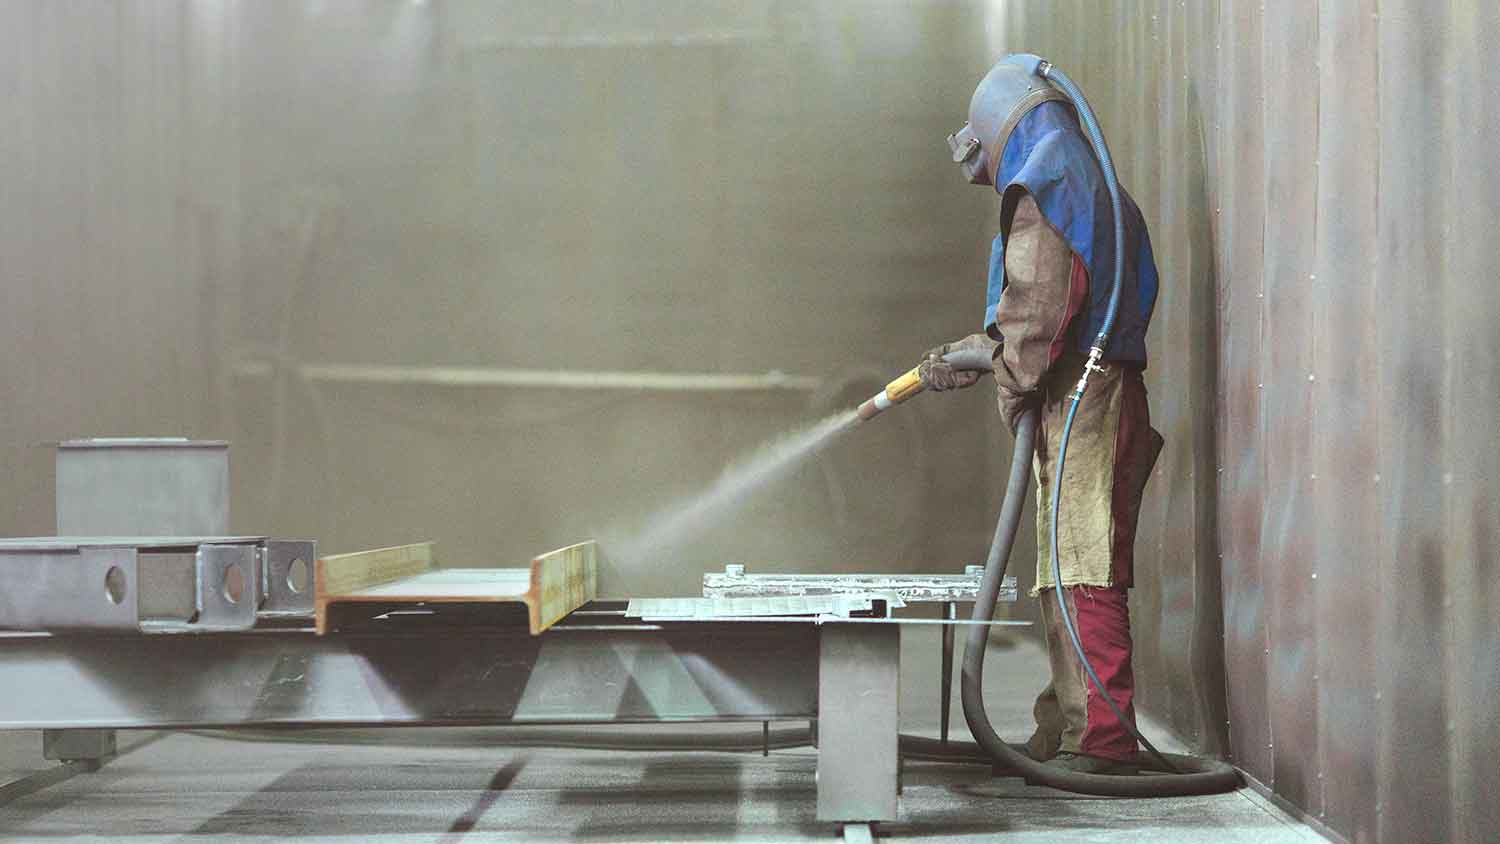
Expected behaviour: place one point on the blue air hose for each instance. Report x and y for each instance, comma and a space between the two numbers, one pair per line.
1101, 151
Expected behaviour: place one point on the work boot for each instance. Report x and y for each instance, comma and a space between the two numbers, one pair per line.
1082, 763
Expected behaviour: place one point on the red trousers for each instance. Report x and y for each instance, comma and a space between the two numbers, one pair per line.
1070, 714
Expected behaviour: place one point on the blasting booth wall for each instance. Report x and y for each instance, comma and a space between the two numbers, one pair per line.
205, 199
1321, 186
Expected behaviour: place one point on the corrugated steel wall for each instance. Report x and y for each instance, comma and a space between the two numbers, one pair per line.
1321, 182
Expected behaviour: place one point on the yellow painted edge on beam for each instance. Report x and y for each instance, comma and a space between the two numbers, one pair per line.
562, 581
340, 574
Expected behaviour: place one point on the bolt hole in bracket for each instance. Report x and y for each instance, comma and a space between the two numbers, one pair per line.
287, 578
80, 584
229, 578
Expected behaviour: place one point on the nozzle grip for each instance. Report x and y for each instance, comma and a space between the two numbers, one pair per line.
904, 387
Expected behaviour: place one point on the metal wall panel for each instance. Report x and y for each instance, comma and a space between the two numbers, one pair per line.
1345, 455
1471, 600
1413, 791
1290, 508
1350, 196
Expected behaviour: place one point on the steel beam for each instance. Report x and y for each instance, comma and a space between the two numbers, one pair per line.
724, 672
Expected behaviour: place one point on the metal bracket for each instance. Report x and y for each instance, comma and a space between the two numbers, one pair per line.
46, 585
229, 587
287, 570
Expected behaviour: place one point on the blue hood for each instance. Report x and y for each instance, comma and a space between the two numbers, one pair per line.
1049, 157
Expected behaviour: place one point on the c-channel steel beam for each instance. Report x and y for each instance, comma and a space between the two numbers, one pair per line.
704, 672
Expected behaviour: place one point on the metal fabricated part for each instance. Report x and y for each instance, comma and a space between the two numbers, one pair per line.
93, 583
287, 577
858, 703
555, 584
229, 587
55, 584
711, 609
734, 582
142, 486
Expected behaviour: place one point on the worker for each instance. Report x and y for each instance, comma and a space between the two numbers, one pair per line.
1051, 267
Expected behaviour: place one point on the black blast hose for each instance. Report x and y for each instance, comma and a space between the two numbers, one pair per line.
1199, 776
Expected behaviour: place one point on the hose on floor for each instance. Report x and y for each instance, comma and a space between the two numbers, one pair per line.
1202, 776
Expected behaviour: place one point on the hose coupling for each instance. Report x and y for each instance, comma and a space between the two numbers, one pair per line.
1090, 365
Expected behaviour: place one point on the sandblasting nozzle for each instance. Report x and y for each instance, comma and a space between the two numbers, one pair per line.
894, 393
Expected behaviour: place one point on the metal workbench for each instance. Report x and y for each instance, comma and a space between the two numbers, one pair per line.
84, 656
843, 676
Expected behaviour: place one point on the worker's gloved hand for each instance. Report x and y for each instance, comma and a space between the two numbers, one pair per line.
937, 374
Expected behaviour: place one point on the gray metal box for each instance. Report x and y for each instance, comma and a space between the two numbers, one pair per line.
142, 486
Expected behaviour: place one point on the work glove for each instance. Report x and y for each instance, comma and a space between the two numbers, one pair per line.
937, 374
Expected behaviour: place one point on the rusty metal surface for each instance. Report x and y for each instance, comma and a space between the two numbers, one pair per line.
1349, 195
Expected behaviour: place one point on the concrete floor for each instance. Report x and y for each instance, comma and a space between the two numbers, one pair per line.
480, 785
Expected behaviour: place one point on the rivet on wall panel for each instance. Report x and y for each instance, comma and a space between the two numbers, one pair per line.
1311, 377
1314, 576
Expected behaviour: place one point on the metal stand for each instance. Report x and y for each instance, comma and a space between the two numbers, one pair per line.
859, 692
88, 746
844, 676
950, 612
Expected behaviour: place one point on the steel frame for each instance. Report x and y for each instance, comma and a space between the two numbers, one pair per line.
844, 676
